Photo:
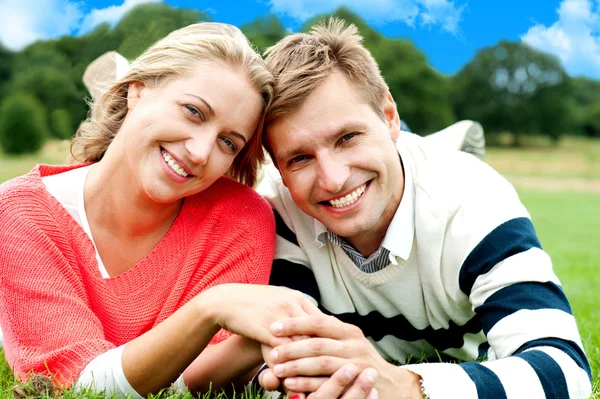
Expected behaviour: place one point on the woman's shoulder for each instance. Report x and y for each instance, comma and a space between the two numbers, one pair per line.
236, 199
226, 190
21, 189
25, 195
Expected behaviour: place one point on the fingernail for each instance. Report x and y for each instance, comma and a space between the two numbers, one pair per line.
276, 327
372, 376
278, 369
290, 383
274, 355
373, 394
296, 396
350, 371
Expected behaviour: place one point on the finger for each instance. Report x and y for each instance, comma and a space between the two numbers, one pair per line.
335, 386
311, 347
312, 366
268, 380
300, 337
304, 384
309, 307
364, 386
258, 332
321, 326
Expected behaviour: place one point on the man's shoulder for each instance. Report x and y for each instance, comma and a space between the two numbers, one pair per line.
451, 175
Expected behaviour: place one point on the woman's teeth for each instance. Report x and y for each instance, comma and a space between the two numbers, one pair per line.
348, 199
173, 165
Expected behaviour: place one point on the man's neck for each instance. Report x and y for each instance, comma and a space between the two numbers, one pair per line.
369, 242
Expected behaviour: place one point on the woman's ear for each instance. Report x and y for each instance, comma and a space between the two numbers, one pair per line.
390, 113
134, 94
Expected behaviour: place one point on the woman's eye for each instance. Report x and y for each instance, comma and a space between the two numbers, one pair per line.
229, 143
194, 111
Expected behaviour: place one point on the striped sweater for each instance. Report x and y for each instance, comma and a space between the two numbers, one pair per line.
477, 289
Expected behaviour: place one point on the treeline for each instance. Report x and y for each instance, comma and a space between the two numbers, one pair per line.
508, 88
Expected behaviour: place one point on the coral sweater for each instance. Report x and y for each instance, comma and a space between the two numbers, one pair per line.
58, 313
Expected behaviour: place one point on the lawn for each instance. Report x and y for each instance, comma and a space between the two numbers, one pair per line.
559, 185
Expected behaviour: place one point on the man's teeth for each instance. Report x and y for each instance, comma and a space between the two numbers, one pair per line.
348, 199
173, 165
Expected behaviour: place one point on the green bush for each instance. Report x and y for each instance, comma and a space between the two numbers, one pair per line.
23, 124
60, 123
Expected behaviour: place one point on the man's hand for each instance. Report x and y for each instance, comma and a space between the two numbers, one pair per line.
305, 365
345, 383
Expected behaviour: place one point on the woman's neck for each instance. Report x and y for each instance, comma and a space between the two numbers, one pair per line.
115, 200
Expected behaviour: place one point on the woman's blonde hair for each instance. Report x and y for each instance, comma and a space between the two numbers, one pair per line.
172, 57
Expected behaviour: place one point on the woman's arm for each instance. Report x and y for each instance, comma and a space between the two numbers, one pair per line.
233, 361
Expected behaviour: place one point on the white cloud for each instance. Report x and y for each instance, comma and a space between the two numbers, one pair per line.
23, 22
110, 14
574, 37
443, 13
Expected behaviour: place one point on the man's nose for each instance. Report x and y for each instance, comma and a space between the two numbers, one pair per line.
332, 173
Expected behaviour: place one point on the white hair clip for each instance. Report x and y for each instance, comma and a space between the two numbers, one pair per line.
104, 71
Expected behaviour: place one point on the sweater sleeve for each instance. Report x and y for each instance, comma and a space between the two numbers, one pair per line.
46, 317
533, 346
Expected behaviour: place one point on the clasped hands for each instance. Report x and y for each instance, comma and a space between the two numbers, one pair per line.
327, 358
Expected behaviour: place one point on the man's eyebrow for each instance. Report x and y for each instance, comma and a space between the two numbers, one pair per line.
210, 110
349, 127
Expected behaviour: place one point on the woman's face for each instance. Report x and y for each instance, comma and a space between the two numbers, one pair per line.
181, 137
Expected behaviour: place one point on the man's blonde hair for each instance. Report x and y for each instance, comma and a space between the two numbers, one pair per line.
302, 61
179, 53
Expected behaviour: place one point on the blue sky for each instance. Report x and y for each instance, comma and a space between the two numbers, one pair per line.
449, 32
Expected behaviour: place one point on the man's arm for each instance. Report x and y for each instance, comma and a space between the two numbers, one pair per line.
290, 265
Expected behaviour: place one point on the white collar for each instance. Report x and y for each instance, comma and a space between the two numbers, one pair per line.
400, 234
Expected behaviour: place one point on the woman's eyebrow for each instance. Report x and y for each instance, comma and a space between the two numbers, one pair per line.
210, 110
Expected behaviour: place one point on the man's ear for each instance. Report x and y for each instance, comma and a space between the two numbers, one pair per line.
134, 94
392, 119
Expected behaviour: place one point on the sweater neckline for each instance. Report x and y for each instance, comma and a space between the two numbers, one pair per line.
171, 245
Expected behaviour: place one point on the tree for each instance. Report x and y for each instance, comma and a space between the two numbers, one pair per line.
586, 100
513, 87
6, 61
264, 32
54, 88
23, 124
421, 93
591, 121
145, 24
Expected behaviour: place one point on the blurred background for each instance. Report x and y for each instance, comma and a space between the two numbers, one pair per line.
526, 70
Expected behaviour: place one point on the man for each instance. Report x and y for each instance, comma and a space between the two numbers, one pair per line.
418, 253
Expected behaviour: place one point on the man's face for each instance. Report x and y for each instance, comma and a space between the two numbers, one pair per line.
337, 157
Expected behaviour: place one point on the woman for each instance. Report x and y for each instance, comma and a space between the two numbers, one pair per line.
112, 271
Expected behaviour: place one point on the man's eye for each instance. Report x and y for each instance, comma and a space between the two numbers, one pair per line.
298, 159
348, 136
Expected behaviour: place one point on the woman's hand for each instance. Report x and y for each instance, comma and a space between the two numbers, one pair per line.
249, 310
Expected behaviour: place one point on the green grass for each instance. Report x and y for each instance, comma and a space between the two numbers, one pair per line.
566, 221
54, 152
